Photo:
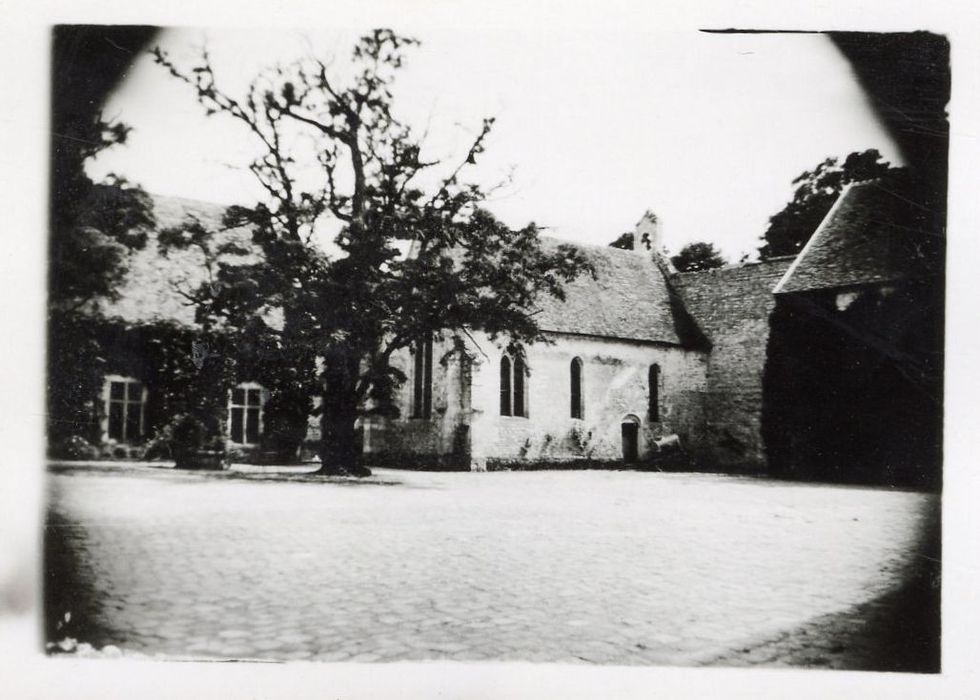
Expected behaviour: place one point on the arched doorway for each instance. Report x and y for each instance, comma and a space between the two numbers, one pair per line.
631, 439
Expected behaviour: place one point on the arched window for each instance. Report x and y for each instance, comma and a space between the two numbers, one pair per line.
654, 388
578, 408
520, 396
513, 387
245, 413
125, 399
422, 379
505, 393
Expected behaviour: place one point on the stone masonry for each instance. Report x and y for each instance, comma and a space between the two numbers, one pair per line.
731, 306
614, 388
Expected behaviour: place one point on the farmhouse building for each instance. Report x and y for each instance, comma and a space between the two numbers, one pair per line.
640, 360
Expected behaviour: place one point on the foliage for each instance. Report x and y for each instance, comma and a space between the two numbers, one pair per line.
187, 434
816, 192
466, 272
76, 365
625, 241
74, 447
259, 351
579, 438
93, 228
93, 225
84, 350
695, 257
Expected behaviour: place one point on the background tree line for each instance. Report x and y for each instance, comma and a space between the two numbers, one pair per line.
791, 227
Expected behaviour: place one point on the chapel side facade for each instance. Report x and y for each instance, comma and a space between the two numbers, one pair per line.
620, 368
584, 401
570, 401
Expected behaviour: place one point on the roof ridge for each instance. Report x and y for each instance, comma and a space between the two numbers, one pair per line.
740, 266
179, 199
599, 246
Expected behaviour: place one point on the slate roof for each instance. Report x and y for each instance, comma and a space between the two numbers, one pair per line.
628, 298
869, 236
148, 292
725, 299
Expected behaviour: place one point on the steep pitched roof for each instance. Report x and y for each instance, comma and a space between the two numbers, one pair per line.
628, 298
149, 291
869, 236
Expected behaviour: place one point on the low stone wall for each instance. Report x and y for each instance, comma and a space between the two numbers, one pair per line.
419, 462
672, 462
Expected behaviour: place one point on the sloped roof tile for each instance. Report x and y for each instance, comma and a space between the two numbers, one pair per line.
724, 299
627, 298
149, 291
869, 236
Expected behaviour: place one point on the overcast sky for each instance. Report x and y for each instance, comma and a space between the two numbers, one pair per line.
707, 130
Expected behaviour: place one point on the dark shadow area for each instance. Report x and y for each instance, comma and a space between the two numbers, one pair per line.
853, 382
898, 632
70, 606
855, 396
169, 473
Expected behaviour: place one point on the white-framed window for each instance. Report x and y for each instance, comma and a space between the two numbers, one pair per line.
245, 404
125, 402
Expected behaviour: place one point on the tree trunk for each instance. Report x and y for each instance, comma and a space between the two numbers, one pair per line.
340, 449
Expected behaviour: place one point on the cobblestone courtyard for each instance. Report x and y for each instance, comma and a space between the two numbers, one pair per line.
600, 567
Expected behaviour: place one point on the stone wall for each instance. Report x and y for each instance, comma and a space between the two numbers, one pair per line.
440, 441
615, 376
732, 307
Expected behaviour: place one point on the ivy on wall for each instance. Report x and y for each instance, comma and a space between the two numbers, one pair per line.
185, 371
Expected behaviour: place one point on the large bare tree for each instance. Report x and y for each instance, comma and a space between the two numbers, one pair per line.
465, 272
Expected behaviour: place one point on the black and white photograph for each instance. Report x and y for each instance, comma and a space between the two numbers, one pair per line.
391, 345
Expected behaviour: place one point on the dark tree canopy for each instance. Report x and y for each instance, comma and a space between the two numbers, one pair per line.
816, 192
698, 256
626, 241
464, 271
94, 225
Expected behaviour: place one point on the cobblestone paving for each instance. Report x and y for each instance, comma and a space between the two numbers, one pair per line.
601, 567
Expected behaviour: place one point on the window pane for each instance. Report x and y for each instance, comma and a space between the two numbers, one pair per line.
236, 425
117, 390
115, 421
519, 388
505, 386
654, 381
132, 422
252, 425
238, 397
254, 398
576, 389
135, 391
419, 380
427, 381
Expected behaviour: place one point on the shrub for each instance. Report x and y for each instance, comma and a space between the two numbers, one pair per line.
186, 435
74, 447
579, 438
